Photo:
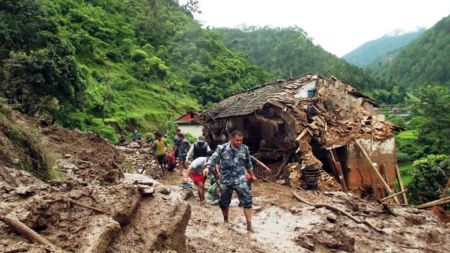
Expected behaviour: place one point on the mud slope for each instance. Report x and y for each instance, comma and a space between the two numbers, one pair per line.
91, 206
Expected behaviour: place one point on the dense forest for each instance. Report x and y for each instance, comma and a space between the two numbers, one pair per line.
112, 66
424, 61
287, 52
380, 49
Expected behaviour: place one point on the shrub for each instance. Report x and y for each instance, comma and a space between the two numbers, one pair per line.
403, 158
138, 55
429, 177
35, 78
113, 56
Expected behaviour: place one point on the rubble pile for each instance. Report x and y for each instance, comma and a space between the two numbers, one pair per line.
140, 160
403, 228
319, 123
83, 156
93, 217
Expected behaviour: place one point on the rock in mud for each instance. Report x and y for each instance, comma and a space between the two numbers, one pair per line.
187, 195
24, 191
336, 241
147, 191
305, 242
332, 218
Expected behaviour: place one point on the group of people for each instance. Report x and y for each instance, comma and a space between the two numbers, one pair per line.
230, 168
182, 151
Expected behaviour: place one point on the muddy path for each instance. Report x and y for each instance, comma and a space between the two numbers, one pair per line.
284, 225
273, 224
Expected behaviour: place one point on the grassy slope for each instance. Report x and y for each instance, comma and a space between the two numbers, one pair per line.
94, 31
151, 61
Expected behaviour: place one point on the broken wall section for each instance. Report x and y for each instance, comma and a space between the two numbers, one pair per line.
361, 175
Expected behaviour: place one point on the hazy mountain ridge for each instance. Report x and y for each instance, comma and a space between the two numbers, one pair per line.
375, 50
423, 61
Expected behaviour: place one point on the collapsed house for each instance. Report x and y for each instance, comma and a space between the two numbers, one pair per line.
309, 125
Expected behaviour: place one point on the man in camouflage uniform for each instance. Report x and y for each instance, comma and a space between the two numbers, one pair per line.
233, 159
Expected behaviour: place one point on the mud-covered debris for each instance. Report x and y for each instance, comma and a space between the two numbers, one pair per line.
305, 241
337, 241
143, 182
164, 190
24, 191
188, 194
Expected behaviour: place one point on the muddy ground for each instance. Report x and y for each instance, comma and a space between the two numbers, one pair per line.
283, 224
102, 203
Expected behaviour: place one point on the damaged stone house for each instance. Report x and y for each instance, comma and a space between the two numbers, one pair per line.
310, 125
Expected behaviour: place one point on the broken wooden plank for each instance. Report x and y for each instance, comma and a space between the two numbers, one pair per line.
333, 166
335, 209
280, 169
393, 195
400, 182
339, 170
434, 203
380, 177
27, 232
302, 134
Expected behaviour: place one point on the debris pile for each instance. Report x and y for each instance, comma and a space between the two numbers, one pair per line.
315, 122
83, 156
95, 206
141, 160
92, 205
372, 228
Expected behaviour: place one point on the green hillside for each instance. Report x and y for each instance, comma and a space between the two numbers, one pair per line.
423, 61
112, 66
289, 52
373, 51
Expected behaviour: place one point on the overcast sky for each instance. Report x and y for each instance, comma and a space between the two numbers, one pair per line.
339, 26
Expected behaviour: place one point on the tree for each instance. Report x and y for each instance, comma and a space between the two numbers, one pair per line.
42, 80
192, 7
430, 176
434, 108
